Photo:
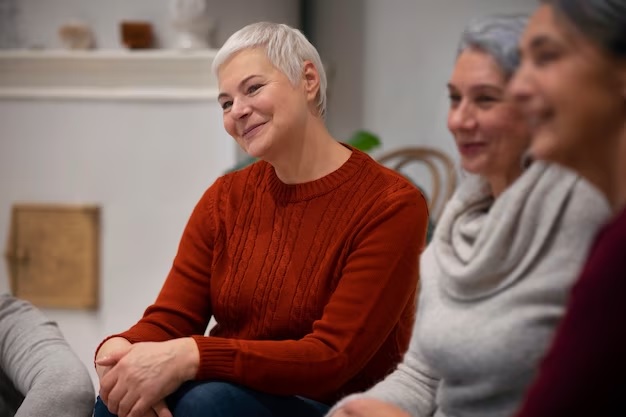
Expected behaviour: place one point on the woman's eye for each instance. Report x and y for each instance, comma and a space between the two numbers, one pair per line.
226, 105
253, 88
454, 99
545, 57
486, 101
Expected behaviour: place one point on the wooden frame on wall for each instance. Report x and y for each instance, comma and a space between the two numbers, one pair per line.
53, 254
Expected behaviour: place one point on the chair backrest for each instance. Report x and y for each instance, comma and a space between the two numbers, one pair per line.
440, 166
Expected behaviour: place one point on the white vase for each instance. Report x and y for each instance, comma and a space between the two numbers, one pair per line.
192, 22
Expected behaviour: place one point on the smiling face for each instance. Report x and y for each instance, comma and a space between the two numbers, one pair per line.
262, 109
571, 92
488, 128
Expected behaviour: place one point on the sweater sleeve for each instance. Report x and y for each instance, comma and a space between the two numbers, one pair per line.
37, 359
378, 281
583, 371
412, 386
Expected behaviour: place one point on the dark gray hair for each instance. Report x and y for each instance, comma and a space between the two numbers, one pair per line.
286, 48
498, 36
602, 21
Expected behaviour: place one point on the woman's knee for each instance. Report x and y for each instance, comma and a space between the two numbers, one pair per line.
214, 398
198, 399
224, 399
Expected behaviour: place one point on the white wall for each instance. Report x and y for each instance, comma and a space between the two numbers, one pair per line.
145, 164
391, 62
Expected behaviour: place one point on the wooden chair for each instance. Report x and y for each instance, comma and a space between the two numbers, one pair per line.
442, 171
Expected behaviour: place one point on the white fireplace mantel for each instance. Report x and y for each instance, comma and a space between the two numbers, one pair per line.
107, 74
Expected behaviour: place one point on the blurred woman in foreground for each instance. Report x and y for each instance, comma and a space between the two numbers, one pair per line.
572, 86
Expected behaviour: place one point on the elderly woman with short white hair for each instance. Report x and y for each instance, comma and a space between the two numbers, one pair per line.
307, 260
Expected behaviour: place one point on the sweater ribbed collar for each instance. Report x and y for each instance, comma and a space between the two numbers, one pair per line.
291, 193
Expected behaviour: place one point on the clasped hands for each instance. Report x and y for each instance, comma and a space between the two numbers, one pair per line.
135, 379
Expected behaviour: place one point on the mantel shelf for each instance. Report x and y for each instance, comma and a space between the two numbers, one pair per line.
108, 74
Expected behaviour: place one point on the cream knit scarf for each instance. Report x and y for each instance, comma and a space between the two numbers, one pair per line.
479, 254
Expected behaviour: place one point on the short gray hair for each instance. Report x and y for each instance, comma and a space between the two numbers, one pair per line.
498, 36
286, 48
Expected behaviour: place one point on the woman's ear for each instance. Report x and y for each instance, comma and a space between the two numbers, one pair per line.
311, 80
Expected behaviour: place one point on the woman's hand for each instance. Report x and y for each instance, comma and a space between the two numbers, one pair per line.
367, 407
114, 345
143, 374
159, 410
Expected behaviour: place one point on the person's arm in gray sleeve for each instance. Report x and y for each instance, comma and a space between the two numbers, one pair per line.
412, 386
37, 359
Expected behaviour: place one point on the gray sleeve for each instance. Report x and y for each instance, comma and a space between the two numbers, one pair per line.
40, 363
412, 386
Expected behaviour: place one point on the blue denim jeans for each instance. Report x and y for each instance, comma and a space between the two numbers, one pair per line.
223, 399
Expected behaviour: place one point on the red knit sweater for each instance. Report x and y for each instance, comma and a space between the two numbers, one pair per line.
312, 285
584, 372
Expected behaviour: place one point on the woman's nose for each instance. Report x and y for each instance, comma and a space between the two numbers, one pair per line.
240, 108
461, 118
519, 87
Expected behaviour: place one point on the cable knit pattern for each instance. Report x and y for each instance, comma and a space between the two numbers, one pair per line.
312, 285
494, 283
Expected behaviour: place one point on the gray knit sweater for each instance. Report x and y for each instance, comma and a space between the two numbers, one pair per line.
494, 282
40, 376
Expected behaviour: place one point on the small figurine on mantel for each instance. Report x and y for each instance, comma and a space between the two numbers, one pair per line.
193, 24
76, 35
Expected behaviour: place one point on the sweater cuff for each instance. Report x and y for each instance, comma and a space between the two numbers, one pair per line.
217, 357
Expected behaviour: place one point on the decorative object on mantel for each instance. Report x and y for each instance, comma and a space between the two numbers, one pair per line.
193, 24
52, 254
76, 35
137, 34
